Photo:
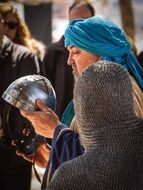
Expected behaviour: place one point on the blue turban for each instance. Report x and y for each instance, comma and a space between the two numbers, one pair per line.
102, 37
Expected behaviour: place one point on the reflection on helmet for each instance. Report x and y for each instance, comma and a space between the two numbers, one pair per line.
22, 94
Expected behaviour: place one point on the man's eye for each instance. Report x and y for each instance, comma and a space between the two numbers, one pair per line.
75, 52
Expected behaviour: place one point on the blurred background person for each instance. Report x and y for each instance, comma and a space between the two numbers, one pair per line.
17, 31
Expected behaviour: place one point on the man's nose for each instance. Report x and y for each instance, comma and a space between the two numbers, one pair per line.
70, 60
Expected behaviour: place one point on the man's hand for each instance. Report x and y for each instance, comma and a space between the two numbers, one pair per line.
44, 121
41, 156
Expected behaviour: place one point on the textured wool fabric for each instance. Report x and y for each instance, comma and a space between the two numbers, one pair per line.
100, 36
110, 132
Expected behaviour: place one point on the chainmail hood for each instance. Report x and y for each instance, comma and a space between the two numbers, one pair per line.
104, 104
110, 132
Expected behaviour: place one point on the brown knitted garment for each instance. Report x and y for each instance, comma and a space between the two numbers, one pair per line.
110, 132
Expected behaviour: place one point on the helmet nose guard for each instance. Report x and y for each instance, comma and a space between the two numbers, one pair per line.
22, 94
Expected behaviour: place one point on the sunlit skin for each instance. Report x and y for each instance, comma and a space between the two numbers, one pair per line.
79, 60
10, 33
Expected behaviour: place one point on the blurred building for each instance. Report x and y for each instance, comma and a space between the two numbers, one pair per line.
39, 20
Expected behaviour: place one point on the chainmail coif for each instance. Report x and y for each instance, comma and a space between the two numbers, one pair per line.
110, 132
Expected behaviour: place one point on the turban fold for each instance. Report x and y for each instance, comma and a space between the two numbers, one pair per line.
100, 36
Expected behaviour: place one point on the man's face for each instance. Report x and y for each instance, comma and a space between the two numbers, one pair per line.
80, 59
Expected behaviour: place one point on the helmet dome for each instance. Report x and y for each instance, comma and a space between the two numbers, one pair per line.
21, 94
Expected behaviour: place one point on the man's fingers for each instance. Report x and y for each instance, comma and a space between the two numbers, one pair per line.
23, 113
27, 113
19, 153
41, 105
26, 157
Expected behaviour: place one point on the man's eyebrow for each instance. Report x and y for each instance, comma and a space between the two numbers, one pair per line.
70, 47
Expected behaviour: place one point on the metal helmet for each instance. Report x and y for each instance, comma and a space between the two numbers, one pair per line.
22, 94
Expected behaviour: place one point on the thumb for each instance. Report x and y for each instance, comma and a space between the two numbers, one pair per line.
41, 105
